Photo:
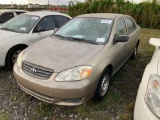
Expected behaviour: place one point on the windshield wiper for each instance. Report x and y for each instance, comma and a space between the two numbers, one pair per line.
84, 40
68, 38
8, 29
59, 36
77, 39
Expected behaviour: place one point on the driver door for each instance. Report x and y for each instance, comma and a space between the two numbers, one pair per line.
44, 28
118, 48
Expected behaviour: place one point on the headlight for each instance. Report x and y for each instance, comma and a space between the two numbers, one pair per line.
19, 59
152, 97
76, 73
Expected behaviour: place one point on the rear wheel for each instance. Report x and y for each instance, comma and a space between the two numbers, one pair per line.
103, 85
12, 55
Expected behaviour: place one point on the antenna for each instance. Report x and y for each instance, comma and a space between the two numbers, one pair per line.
48, 4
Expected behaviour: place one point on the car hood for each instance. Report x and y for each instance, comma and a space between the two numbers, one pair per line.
8, 34
59, 54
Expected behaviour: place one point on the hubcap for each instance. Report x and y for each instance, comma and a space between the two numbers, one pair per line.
104, 85
15, 55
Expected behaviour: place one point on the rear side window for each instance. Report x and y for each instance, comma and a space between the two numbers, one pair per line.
47, 23
6, 16
18, 13
61, 20
130, 25
121, 28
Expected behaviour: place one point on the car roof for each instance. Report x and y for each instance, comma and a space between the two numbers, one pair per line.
102, 15
11, 10
44, 13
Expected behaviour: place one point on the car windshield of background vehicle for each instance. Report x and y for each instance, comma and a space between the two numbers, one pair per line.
21, 24
87, 29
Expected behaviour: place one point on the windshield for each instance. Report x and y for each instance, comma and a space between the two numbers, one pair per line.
21, 24
89, 29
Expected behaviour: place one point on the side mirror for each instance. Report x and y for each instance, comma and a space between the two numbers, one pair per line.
121, 38
40, 29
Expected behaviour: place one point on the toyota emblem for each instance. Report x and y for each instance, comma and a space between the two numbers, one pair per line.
33, 70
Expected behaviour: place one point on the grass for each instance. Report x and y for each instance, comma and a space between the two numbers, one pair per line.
4, 116
44, 109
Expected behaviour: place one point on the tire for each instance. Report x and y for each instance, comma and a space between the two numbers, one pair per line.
134, 54
12, 56
103, 85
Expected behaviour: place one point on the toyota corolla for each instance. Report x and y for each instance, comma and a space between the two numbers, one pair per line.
77, 62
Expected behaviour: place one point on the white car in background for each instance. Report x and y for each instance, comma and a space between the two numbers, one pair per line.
26, 29
6, 14
147, 105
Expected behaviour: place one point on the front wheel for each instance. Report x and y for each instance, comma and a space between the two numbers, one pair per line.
103, 85
12, 56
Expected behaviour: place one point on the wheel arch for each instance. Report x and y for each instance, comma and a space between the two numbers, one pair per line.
97, 96
138, 42
22, 45
110, 67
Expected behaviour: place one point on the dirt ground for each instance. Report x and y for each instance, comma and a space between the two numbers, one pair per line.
117, 105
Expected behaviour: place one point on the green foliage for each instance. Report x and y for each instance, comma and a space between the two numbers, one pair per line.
146, 14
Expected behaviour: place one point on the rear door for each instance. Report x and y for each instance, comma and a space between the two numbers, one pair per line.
48, 24
132, 32
118, 48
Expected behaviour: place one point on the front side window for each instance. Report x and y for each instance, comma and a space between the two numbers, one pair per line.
130, 24
89, 29
5, 17
47, 23
21, 24
121, 28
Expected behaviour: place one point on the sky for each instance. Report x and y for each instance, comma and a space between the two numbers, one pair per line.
54, 2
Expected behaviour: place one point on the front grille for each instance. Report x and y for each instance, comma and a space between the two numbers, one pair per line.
36, 71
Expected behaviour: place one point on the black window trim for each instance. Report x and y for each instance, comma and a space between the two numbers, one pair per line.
57, 20
7, 12
21, 12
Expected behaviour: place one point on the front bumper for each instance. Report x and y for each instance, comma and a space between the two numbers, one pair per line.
51, 91
2, 58
141, 110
